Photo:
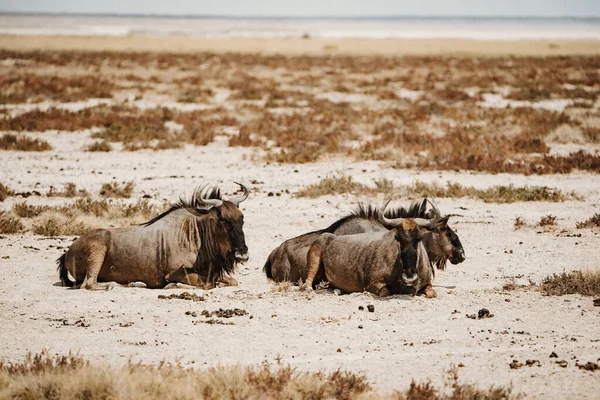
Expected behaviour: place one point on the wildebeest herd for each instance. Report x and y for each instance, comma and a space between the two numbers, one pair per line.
198, 243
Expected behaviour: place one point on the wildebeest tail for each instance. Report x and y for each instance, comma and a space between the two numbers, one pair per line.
267, 269
63, 273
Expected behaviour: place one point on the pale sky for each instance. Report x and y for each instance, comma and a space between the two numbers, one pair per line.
299, 8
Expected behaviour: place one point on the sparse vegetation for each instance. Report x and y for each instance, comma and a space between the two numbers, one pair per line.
53, 224
494, 194
591, 222
5, 192
99, 146
519, 223
25, 210
72, 377
443, 127
547, 220
332, 185
23, 143
70, 190
117, 190
586, 283
9, 224
78, 217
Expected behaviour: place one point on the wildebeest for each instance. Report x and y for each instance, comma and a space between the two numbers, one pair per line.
194, 242
382, 263
288, 261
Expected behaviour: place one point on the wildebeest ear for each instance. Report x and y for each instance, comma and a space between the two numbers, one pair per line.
443, 222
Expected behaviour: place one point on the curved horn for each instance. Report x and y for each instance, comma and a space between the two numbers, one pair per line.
199, 201
434, 205
387, 221
238, 199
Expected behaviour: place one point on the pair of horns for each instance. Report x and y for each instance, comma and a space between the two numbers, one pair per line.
199, 197
426, 223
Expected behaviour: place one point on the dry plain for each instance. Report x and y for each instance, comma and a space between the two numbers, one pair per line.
356, 128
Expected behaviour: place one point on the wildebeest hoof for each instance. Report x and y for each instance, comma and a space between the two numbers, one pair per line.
306, 288
430, 293
383, 292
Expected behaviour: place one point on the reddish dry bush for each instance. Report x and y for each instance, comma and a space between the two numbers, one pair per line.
22, 88
23, 143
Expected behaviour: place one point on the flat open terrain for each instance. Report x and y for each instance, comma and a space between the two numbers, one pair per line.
393, 127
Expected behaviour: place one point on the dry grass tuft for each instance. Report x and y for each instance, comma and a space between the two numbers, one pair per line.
494, 194
70, 190
27, 87
5, 192
99, 146
25, 210
591, 222
80, 216
9, 224
586, 283
23, 143
519, 223
279, 287
331, 185
117, 190
54, 224
547, 220
72, 377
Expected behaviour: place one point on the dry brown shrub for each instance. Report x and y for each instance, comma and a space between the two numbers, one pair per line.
72, 377
586, 283
69, 190
519, 223
494, 194
99, 146
5, 192
53, 224
25, 210
27, 87
591, 222
331, 185
547, 220
23, 143
592, 134
9, 224
117, 190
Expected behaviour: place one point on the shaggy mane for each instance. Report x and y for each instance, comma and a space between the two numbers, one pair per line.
193, 203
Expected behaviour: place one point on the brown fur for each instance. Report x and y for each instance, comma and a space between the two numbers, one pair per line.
190, 243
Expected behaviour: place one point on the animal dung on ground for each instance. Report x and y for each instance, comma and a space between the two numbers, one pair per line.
597, 302
227, 313
589, 366
182, 296
515, 364
481, 314
371, 307
361, 308
553, 355
563, 363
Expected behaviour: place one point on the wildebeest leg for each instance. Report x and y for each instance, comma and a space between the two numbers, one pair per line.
96, 251
137, 284
184, 278
379, 288
313, 261
227, 280
179, 285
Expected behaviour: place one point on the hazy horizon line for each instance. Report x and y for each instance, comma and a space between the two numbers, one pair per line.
300, 17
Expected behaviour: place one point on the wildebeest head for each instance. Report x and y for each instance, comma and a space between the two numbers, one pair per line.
229, 220
409, 232
444, 240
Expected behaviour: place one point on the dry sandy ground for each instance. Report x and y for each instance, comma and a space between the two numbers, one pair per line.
394, 47
404, 338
